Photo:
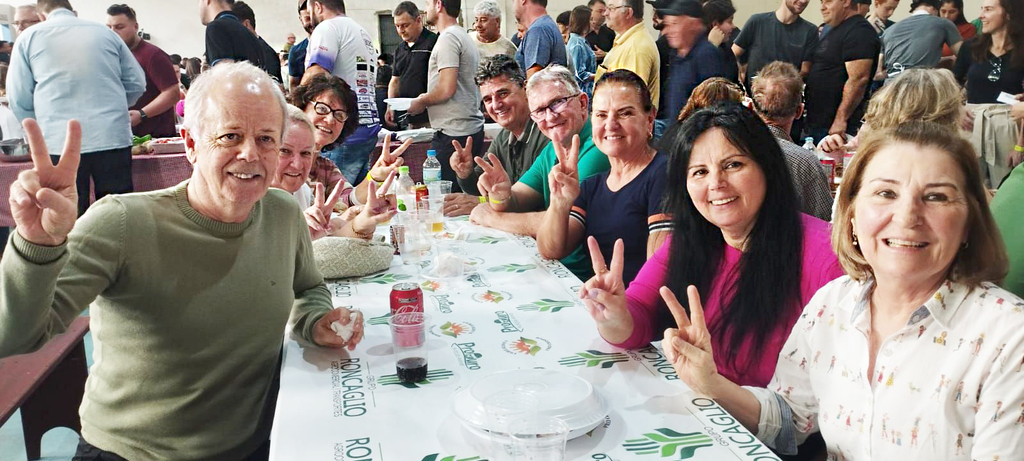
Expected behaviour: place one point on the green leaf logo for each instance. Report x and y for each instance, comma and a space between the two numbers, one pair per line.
592, 358
437, 457
384, 279
432, 375
513, 268
487, 240
667, 443
382, 320
545, 305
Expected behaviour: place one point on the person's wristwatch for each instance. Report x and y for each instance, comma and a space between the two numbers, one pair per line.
142, 114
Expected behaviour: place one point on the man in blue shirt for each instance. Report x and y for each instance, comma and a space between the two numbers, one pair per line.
297, 54
68, 68
542, 42
695, 58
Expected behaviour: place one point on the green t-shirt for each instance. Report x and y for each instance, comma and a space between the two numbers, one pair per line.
188, 316
591, 161
1006, 211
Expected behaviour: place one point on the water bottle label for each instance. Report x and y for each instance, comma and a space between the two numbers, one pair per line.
431, 175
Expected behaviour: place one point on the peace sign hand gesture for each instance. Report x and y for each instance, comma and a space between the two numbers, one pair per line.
604, 294
318, 215
389, 161
376, 210
462, 159
564, 178
44, 200
494, 182
688, 346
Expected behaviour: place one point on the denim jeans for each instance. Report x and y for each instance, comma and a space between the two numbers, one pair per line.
353, 159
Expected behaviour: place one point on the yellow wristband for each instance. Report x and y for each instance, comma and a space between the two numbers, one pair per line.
370, 178
482, 199
495, 201
1018, 148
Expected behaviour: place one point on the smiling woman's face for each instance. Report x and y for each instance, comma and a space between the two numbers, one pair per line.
726, 185
910, 214
296, 159
326, 127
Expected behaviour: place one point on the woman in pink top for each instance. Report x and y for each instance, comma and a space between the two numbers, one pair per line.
738, 238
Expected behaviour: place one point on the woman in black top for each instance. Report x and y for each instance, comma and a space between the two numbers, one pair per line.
993, 62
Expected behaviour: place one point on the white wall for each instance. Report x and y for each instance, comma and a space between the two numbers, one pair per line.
174, 24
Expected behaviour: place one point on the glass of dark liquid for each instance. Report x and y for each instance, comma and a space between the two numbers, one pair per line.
409, 341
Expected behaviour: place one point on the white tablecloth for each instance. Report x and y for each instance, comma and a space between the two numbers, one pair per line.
516, 311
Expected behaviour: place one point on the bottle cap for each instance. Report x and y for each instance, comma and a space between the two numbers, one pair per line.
403, 170
431, 153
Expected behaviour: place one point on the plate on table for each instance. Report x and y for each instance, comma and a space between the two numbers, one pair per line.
167, 146
567, 397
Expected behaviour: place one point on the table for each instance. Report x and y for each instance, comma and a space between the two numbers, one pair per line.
516, 311
149, 172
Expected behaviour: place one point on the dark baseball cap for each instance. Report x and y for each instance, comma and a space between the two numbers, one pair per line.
659, 4
302, 5
691, 8
862, 2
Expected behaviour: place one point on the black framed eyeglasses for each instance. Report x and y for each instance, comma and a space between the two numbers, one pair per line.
323, 109
556, 107
997, 69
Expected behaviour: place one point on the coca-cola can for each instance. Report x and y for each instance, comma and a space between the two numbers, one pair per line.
406, 297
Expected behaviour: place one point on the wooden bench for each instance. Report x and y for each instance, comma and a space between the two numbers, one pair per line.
47, 385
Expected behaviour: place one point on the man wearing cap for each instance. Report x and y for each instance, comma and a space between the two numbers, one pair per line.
841, 71
780, 35
695, 59
634, 49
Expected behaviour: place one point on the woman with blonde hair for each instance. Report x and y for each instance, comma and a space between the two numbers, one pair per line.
923, 95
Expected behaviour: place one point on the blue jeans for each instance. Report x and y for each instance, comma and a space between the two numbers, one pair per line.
353, 159
659, 127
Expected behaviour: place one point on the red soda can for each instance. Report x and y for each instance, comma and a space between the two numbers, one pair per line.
406, 297
421, 195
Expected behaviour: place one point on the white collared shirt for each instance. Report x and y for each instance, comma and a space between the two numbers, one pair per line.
949, 385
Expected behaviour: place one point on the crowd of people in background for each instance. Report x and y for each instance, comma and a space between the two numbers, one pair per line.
686, 177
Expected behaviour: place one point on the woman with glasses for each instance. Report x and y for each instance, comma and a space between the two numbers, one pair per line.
621, 203
737, 236
330, 104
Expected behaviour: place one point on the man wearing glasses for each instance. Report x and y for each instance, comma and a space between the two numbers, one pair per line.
559, 109
634, 49
26, 16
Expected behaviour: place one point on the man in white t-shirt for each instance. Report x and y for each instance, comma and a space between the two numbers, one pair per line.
341, 47
452, 99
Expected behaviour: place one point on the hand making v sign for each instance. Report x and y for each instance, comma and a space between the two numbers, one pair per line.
44, 200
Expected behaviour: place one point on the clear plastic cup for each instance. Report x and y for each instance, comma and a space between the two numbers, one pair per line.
502, 409
538, 438
439, 188
409, 341
435, 215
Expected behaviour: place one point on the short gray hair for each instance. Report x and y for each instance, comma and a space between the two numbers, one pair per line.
30, 7
487, 8
197, 101
295, 115
554, 74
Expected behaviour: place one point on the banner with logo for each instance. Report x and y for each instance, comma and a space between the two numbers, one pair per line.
515, 310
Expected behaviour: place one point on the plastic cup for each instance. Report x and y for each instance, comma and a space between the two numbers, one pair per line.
502, 409
409, 341
439, 188
435, 215
538, 438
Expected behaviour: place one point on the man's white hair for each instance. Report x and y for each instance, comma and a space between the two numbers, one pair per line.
487, 8
198, 102
554, 74
30, 7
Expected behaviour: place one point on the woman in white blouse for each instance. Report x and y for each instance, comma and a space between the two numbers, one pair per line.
914, 354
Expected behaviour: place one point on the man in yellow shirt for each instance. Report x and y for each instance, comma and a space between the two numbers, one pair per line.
634, 49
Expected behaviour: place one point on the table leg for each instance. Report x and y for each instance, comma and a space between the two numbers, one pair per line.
56, 401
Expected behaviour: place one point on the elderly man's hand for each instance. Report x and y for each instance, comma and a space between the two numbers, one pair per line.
459, 204
494, 183
44, 200
483, 214
324, 335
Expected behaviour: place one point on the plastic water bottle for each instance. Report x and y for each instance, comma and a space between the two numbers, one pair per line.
406, 191
431, 168
809, 143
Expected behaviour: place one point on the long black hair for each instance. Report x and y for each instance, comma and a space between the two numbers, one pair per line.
761, 299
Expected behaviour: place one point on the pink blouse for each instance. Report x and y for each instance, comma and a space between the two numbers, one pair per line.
820, 266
